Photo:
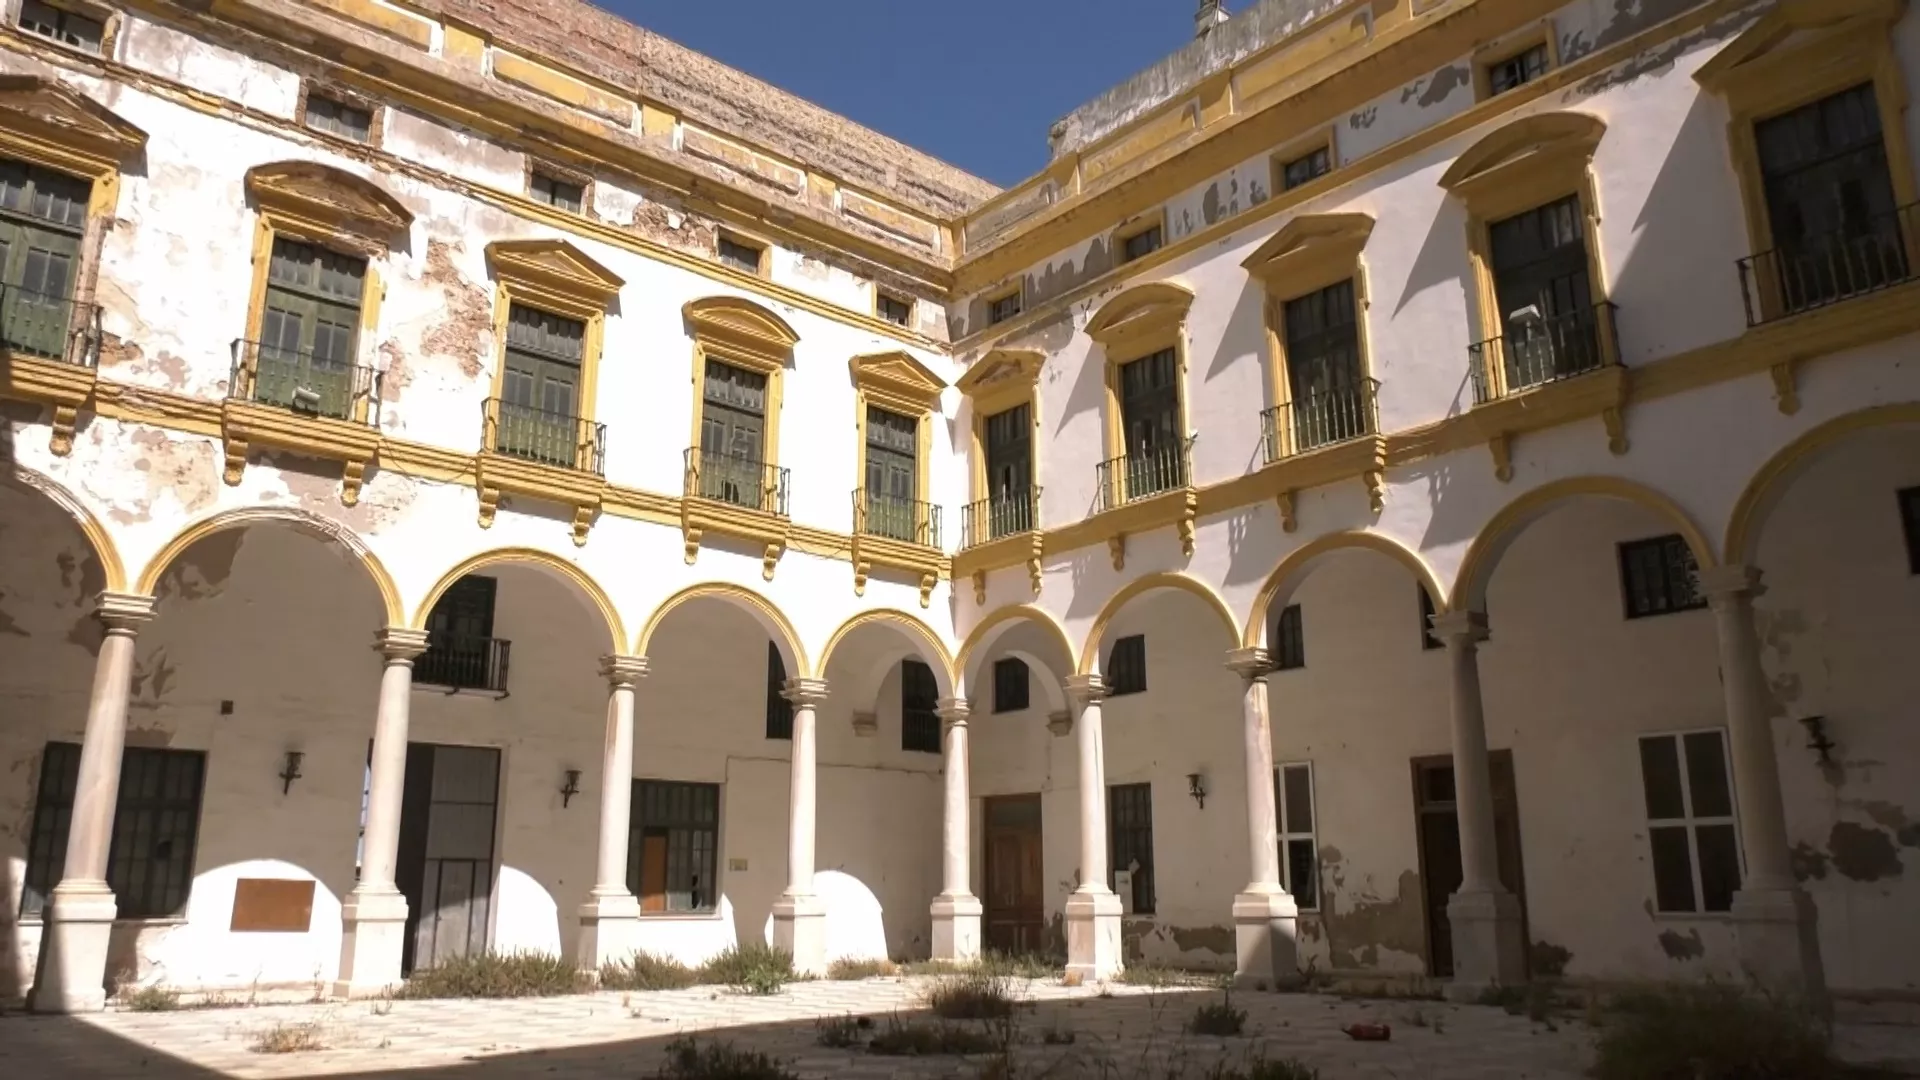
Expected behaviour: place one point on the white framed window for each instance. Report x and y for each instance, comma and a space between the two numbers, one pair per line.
1299, 851
1691, 832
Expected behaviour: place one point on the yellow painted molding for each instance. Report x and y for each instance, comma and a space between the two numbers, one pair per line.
554, 271
936, 650
112, 566
535, 76
501, 474
1601, 393
39, 116
764, 612
1090, 652
310, 523
870, 550
699, 516
1280, 584
742, 327
1178, 508
1742, 547
1040, 617
61, 386
1140, 313
999, 553
526, 556
246, 425
1310, 252
896, 380
399, 25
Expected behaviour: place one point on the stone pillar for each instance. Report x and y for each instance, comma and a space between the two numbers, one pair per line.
374, 914
1774, 919
1265, 917
956, 911
799, 918
71, 973
611, 915
1488, 949
1093, 911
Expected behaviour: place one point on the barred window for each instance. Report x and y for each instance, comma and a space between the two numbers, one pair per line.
1690, 821
1289, 640
156, 827
779, 709
1130, 843
919, 698
1127, 666
1010, 684
1299, 853
672, 861
1659, 577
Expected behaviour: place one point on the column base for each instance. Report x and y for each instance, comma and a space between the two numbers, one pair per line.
1488, 947
372, 932
1778, 934
1093, 935
71, 974
800, 927
1266, 940
609, 929
956, 928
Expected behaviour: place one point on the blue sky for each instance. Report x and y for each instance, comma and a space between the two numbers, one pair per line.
977, 82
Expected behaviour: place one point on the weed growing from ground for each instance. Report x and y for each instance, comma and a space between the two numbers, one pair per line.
645, 971
690, 1059
288, 1039
1218, 1018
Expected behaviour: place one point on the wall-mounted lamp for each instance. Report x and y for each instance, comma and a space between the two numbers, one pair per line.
291, 771
1817, 740
571, 788
1197, 787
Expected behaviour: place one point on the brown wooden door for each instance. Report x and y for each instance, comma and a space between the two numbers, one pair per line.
1015, 915
1438, 828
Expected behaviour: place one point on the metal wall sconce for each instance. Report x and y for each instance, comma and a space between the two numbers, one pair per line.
291, 771
571, 788
1197, 787
1817, 740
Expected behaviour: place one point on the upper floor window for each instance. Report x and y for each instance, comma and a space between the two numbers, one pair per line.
1002, 308
1690, 821
896, 310
741, 255
1517, 70
919, 702
1154, 445
1010, 684
540, 386
561, 194
1142, 243
779, 708
1306, 168
308, 327
1659, 576
1324, 369
892, 461
1127, 666
43, 215
1289, 640
733, 427
1910, 524
337, 117
462, 652
1009, 450
62, 24
1542, 285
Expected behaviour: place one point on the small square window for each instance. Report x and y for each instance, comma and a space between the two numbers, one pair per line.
336, 117
83, 32
1002, 308
1517, 70
741, 255
1127, 666
1910, 523
893, 309
1010, 685
1659, 577
1306, 168
1428, 639
1289, 640
557, 193
1141, 244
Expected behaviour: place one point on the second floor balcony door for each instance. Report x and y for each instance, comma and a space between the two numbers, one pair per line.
733, 426
42, 216
540, 392
1545, 294
1009, 439
308, 328
1150, 422
1323, 368
892, 445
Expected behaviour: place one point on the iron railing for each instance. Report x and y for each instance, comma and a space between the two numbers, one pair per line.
908, 520
1145, 472
550, 438
305, 382
464, 663
1321, 418
1865, 258
49, 327
1541, 351
756, 485
998, 516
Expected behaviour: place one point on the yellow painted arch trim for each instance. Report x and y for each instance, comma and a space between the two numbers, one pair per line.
113, 568
1484, 553
1749, 513
1090, 655
1039, 616
533, 557
897, 617
731, 593
1359, 540
312, 524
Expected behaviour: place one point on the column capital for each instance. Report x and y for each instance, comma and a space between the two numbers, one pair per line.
953, 711
400, 643
806, 693
1720, 584
123, 611
1249, 663
1469, 627
623, 670
1086, 689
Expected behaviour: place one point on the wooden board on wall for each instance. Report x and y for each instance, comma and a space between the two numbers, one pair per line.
272, 906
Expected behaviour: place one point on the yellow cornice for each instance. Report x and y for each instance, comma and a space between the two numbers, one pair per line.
1142, 312
1310, 251
741, 329
896, 379
1744, 57
553, 269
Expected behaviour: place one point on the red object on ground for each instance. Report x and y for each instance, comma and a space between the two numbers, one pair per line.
1368, 1032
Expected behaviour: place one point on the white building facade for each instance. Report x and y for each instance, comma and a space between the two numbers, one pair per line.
1414, 490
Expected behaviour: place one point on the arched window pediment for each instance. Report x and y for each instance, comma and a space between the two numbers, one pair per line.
1142, 311
741, 326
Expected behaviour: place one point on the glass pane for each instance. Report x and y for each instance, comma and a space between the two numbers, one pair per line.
1660, 773
1707, 775
1297, 798
1672, 868
1719, 866
1303, 877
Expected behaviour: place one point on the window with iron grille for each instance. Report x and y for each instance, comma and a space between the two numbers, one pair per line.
1299, 853
461, 651
66, 27
894, 309
733, 424
308, 327
1690, 821
741, 255
1428, 639
42, 217
540, 388
1000, 309
1154, 445
1306, 168
1289, 639
1658, 576
156, 826
1009, 439
1130, 839
1010, 684
893, 475
1910, 524
779, 709
1127, 666
1541, 284
557, 193
1145, 242
919, 700
1323, 368
336, 117
1518, 69
672, 860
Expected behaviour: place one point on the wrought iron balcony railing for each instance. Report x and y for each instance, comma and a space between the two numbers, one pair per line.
1863, 258
550, 438
1001, 515
464, 663
49, 327
746, 482
909, 520
304, 382
1541, 351
1145, 472
1321, 418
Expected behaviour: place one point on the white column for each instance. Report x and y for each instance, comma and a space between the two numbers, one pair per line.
71, 973
611, 916
1265, 917
374, 914
1092, 911
956, 911
1774, 918
1488, 949
799, 918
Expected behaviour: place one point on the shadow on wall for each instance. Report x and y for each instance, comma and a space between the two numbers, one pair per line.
856, 926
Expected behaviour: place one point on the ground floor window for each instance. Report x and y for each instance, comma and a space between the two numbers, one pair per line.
1299, 853
672, 850
156, 825
1690, 824
1130, 825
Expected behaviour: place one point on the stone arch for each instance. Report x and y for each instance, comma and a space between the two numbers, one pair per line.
1090, 654
1476, 569
1300, 563
309, 523
922, 642
113, 568
770, 618
1763, 492
616, 630
1000, 620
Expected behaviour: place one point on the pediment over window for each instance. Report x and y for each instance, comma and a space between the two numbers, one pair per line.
897, 375
1144, 310
327, 200
1543, 139
742, 327
66, 117
1002, 369
553, 266
1311, 251
1780, 39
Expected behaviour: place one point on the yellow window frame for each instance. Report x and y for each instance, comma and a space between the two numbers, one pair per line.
1309, 253
555, 277
1136, 324
898, 383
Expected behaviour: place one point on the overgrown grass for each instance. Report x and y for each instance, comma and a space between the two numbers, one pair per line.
752, 968
690, 1059
970, 995
841, 1032
1021, 965
1158, 975
848, 969
1218, 1018
1710, 1032
496, 975
288, 1039
645, 971
1259, 1068
922, 1039
151, 999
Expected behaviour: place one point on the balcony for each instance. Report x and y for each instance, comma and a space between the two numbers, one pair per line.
303, 402
465, 663
546, 455
736, 496
1132, 477
52, 346
1322, 418
909, 521
987, 520
1868, 257
1542, 350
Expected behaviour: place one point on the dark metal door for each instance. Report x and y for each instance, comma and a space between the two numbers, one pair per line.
446, 851
1015, 916
1436, 818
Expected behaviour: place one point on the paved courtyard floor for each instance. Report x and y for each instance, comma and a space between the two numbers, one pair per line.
1125, 1032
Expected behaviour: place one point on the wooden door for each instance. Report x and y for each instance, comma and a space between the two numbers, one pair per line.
1015, 915
1438, 825
445, 861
